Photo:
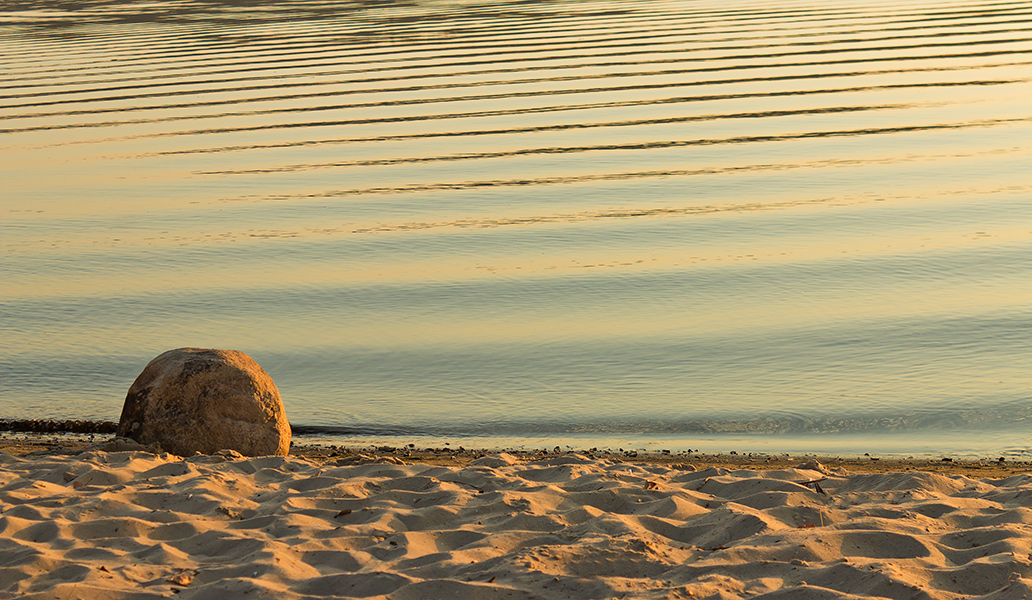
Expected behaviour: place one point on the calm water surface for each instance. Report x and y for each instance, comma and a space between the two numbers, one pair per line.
773, 225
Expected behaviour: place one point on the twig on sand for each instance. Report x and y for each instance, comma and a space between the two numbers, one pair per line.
816, 483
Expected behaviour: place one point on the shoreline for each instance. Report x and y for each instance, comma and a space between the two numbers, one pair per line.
919, 448
39, 445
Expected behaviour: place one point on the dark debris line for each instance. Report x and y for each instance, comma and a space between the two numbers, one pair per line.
54, 426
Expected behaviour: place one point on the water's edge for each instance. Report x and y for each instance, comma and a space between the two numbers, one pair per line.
902, 445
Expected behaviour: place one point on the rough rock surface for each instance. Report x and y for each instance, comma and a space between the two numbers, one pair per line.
202, 400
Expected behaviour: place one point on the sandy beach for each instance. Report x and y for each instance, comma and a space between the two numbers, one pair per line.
122, 522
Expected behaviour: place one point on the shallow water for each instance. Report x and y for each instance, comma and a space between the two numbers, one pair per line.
776, 225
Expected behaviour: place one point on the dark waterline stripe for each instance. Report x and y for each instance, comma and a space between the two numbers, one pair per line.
295, 61
506, 95
395, 26
538, 110
454, 85
279, 76
554, 150
253, 51
574, 179
565, 22
542, 128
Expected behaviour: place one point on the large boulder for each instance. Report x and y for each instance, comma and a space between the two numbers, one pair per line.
201, 400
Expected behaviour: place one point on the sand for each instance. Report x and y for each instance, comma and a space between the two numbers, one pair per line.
126, 523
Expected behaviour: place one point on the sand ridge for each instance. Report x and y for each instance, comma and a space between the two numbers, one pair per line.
139, 525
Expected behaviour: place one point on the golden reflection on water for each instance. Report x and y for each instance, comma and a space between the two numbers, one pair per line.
557, 263
579, 209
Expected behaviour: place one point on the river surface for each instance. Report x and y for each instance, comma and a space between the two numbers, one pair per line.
753, 225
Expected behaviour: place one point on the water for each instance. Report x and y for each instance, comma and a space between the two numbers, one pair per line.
776, 226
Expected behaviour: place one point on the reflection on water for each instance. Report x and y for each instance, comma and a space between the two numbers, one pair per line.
603, 223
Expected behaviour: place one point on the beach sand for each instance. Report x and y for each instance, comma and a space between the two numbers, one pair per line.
121, 522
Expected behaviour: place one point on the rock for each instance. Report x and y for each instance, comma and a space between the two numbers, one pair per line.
201, 400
